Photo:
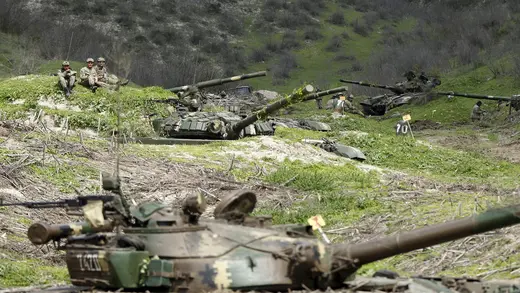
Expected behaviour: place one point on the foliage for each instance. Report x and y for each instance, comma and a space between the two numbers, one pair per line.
27, 272
95, 108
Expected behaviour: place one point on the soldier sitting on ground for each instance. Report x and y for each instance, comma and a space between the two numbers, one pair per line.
88, 76
67, 78
104, 77
477, 112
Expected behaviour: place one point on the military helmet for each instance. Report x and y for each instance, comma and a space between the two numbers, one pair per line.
90, 60
65, 63
101, 59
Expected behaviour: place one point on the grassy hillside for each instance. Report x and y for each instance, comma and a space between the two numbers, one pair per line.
450, 169
404, 183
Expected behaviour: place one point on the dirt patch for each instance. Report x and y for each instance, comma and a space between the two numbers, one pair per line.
276, 149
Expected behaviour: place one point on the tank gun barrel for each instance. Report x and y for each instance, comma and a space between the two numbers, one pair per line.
475, 96
325, 93
214, 82
394, 89
367, 252
306, 94
41, 233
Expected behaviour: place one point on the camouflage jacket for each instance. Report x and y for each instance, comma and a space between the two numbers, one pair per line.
65, 74
101, 73
85, 73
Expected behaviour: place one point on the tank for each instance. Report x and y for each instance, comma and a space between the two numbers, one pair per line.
403, 93
241, 100
193, 100
229, 126
514, 100
155, 247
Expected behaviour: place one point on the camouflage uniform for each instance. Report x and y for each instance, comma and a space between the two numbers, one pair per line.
476, 112
67, 77
102, 76
340, 106
87, 76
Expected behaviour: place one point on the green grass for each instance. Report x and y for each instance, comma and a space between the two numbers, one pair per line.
17, 272
315, 63
100, 107
405, 154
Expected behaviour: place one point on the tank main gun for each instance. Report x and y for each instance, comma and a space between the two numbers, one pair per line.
514, 100
475, 96
395, 89
305, 94
214, 82
347, 258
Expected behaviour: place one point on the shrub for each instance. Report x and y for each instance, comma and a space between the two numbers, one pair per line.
335, 43
272, 46
282, 69
360, 28
259, 55
312, 34
289, 41
337, 18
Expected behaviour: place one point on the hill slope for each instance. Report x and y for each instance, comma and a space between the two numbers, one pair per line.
171, 43
405, 183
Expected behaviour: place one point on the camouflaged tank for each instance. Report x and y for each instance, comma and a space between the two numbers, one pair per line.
403, 93
154, 247
241, 100
227, 125
192, 99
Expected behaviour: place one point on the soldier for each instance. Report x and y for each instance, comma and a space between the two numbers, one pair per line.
103, 76
67, 78
319, 100
349, 106
342, 104
87, 75
476, 112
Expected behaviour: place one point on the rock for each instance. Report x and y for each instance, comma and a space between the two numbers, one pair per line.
270, 95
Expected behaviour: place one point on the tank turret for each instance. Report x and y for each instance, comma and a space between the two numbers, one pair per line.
403, 93
190, 98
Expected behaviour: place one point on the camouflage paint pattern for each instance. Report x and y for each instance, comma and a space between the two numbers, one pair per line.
229, 126
166, 248
403, 93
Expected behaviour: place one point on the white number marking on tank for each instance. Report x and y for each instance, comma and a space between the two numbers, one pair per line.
89, 262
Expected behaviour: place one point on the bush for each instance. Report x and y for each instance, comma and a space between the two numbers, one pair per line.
198, 36
335, 43
314, 7
289, 41
231, 23
312, 34
283, 67
259, 55
272, 46
360, 28
337, 18
344, 57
